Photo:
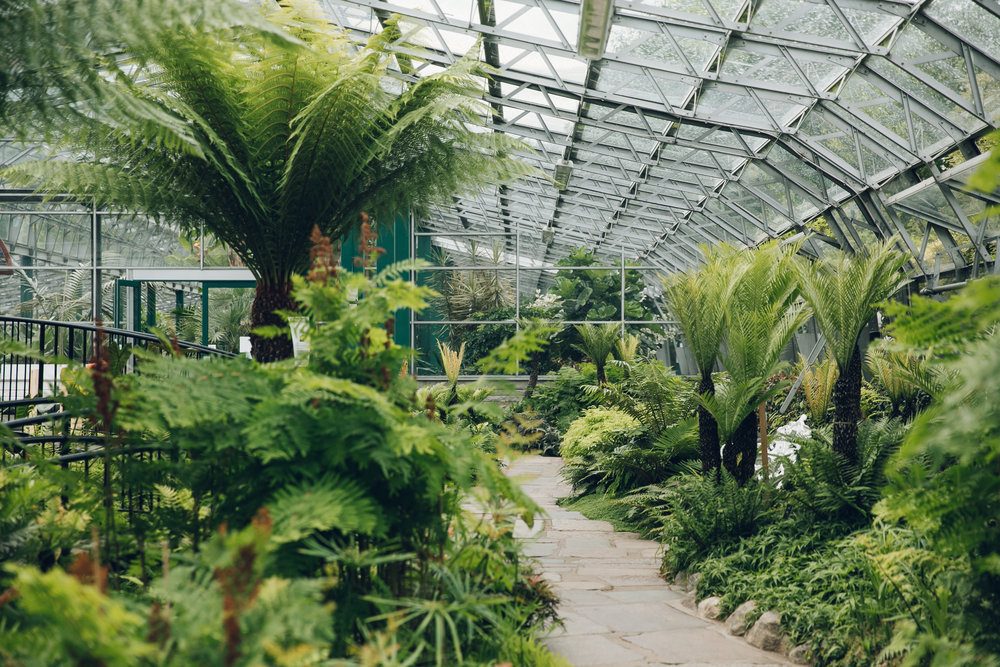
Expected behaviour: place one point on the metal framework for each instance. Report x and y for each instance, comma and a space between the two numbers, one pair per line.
726, 120
705, 121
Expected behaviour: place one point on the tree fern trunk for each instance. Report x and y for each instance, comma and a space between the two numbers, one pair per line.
269, 298
740, 453
847, 408
708, 430
536, 366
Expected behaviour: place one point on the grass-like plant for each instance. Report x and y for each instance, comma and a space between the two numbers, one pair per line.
258, 141
451, 361
844, 292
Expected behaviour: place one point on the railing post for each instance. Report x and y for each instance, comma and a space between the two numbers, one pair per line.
41, 360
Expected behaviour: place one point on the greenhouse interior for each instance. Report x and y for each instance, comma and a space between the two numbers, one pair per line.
512, 333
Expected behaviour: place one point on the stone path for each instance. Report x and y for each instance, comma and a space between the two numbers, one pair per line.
616, 610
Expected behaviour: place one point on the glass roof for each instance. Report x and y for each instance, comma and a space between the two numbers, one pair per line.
712, 120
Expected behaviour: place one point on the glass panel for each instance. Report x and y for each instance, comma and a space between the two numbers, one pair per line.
974, 23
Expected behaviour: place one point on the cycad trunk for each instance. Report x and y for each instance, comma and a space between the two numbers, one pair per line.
847, 408
708, 430
740, 454
269, 298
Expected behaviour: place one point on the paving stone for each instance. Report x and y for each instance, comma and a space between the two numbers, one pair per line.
616, 609
700, 644
594, 651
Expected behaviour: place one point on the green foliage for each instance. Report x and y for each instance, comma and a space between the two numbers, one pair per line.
651, 392
825, 489
648, 458
817, 387
845, 290
60, 66
703, 514
597, 342
698, 299
596, 294
828, 591
949, 480
36, 526
562, 399
598, 429
308, 510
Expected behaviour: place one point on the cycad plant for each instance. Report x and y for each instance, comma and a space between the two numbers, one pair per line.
762, 315
844, 292
276, 138
697, 300
597, 341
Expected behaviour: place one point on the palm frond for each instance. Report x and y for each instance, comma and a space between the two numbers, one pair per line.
845, 290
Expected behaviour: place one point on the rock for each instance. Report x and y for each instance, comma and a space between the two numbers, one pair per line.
766, 632
737, 623
801, 655
710, 608
689, 601
681, 580
692, 582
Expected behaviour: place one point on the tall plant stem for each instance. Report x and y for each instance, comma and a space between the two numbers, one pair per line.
847, 408
708, 430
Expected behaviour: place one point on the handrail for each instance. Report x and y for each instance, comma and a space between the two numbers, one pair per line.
136, 335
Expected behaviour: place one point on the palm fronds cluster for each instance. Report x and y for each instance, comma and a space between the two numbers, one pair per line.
742, 307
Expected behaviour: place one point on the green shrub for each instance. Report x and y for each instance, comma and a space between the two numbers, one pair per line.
828, 591
703, 514
599, 429
561, 400
647, 459
823, 487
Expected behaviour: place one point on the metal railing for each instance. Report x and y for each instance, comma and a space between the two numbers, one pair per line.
23, 377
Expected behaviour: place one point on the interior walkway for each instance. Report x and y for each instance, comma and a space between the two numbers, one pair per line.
617, 610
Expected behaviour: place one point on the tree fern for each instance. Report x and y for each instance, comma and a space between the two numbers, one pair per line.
282, 135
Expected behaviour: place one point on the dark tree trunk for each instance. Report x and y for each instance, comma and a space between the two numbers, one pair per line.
847, 408
268, 299
536, 367
740, 453
708, 430
602, 377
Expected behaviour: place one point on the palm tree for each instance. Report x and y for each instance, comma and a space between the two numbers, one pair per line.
697, 300
762, 314
286, 137
844, 291
597, 341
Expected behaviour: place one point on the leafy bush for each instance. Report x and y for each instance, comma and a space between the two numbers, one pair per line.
600, 429
561, 400
948, 486
703, 514
647, 459
650, 392
829, 593
309, 510
823, 487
